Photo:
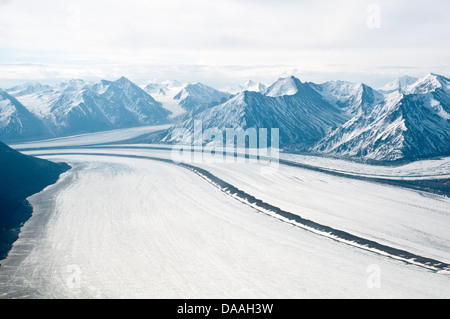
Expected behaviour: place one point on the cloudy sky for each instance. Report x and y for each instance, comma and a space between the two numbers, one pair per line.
219, 42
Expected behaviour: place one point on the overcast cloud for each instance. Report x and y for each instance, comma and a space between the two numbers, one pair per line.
221, 41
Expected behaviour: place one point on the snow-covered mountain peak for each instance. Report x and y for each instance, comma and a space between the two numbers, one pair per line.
77, 106
339, 89
199, 91
400, 84
335, 118
16, 121
71, 86
76, 83
168, 87
172, 84
154, 88
194, 86
123, 83
403, 125
249, 85
101, 87
27, 88
178, 98
122, 79
187, 90
429, 83
239, 98
352, 98
284, 86
255, 86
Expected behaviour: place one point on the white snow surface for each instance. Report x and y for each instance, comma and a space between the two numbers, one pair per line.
399, 84
40, 101
94, 138
428, 83
135, 228
438, 168
164, 93
284, 86
167, 101
249, 85
402, 218
137, 234
6, 111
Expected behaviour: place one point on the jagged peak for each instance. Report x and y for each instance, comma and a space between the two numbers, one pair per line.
429, 83
399, 84
197, 85
195, 89
123, 79
249, 83
172, 83
192, 85
123, 82
284, 86
76, 82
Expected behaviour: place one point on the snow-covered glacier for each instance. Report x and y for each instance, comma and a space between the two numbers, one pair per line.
127, 222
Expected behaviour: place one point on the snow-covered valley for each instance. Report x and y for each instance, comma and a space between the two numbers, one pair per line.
126, 225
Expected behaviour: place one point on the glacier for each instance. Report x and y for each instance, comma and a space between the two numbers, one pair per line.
181, 237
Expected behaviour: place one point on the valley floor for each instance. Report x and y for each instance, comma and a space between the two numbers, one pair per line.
119, 225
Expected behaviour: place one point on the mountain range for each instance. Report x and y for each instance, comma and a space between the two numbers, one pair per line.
300, 112
408, 118
412, 122
39, 111
180, 98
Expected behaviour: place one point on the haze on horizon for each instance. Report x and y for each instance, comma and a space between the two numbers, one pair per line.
222, 42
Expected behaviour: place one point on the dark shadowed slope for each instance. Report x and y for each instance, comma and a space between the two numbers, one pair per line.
20, 177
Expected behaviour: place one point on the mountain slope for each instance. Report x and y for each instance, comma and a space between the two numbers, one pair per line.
125, 104
20, 177
353, 98
413, 125
164, 93
407, 119
75, 111
250, 85
399, 84
79, 107
27, 89
301, 115
16, 121
197, 97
